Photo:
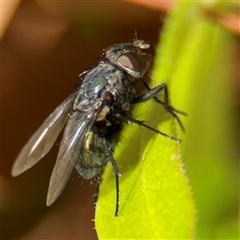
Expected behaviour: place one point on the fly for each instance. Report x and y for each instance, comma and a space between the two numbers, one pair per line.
93, 117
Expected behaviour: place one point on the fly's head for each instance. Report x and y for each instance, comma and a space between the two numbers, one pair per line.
130, 57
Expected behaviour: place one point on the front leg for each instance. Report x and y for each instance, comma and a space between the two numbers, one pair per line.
152, 93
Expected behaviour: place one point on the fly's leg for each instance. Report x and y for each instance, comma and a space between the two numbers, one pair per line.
152, 93
141, 123
168, 107
98, 181
116, 172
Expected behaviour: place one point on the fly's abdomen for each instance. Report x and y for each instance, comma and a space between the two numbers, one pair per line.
92, 158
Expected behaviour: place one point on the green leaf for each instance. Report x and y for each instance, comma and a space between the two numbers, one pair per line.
202, 70
205, 72
155, 200
194, 59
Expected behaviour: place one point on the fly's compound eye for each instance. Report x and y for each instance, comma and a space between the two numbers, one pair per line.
129, 57
130, 62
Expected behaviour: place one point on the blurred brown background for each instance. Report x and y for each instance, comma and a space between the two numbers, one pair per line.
46, 46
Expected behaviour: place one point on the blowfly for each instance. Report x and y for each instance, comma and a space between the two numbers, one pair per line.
92, 118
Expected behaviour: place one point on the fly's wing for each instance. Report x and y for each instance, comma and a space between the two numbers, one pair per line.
71, 144
43, 139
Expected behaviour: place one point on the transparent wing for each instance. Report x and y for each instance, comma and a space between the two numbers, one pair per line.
43, 139
73, 138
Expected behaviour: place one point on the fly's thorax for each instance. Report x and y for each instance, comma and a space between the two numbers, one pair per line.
104, 79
